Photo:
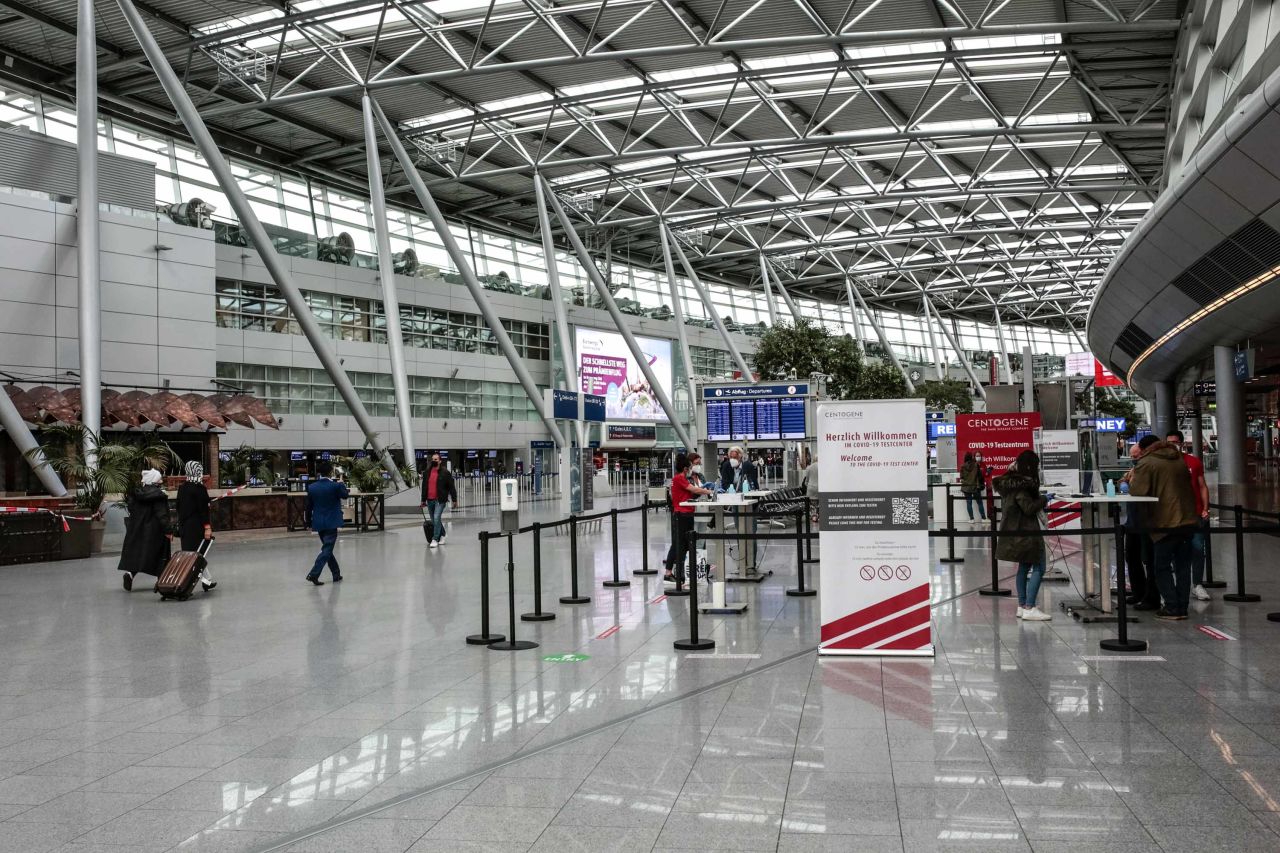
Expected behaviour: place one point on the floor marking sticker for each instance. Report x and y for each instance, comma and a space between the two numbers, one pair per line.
608, 632
567, 657
1216, 633
1141, 658
659, 600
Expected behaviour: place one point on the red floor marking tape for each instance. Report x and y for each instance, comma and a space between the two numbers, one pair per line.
608, 632
659, 599
1214, 632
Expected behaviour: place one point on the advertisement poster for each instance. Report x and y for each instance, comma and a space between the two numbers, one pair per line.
588, 480
1060, 473
607, 368
874, 528
997, 438
576, 479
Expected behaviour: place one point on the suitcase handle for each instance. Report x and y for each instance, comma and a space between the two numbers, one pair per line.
206, 545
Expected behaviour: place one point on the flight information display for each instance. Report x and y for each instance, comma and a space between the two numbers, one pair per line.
718, 420
744, 420
793, 419
768, 420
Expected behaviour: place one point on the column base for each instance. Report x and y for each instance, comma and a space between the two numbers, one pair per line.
485, 639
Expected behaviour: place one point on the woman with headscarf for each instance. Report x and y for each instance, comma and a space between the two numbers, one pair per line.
147, 532
193, 516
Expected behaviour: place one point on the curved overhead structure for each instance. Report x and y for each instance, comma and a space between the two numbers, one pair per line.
1199, 270
987, 155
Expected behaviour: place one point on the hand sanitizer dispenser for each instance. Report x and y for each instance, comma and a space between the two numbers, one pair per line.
509, 504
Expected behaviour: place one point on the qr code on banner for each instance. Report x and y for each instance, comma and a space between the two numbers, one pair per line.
906, 511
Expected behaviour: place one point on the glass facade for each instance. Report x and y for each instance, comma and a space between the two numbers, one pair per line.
261, 307
308, 391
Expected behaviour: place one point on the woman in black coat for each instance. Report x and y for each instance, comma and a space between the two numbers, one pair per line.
147, 530
193, 516
1021, 505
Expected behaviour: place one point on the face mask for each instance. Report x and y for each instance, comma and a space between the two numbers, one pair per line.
734, 463
697, 469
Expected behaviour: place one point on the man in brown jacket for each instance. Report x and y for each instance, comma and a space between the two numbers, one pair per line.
1161, 473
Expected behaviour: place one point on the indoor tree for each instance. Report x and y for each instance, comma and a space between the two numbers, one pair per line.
793, 351
119, 462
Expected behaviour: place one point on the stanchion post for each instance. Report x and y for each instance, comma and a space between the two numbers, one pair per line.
484, 638
644, 542
1209, 581
537, 615
1121, 643
1240, 595
511, 644
800, 591
681, 590
613, 527
693, 643
573, 597
995, 568
808, 529
951, 531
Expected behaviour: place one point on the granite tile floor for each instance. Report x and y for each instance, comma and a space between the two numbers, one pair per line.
272, 715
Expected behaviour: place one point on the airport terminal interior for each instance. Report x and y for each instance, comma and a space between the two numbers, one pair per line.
804, 425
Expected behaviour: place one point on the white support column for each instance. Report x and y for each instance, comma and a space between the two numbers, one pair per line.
710, 306
884, 342
387, 277
572, 381
1028, 381
22, 438
933, 339
602, 290
786, 297
853, 311
1004, 350
89, 298
768, 291
257, 234
466, 271
1231, 424
960, 354
677, 316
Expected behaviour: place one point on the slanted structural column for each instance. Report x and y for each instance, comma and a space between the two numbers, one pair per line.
257, 234
89, 300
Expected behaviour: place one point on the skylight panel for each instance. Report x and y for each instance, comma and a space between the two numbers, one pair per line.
788, 60
1022, 40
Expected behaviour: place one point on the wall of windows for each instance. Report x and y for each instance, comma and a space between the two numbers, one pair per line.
261, 307
291, 202
714, 363
309, 391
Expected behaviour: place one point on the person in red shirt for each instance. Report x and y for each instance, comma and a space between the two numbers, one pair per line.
683, 489
1198, 541
437, 489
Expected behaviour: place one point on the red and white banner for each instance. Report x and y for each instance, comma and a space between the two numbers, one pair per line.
874, 528
1103, 378
1060, 474
997, 438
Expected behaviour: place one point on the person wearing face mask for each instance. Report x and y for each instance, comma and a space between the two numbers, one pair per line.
682, 490
437, 489
738, 473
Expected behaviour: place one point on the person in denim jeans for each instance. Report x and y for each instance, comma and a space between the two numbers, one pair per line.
437, 489
324, 502
1171, 520
971, 483
1022, 503
1201, 489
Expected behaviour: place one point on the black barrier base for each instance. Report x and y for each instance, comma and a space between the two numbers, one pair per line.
513, 645
995, 591
1124, 645
802, 593
756, 578
1214, 584
1273, 617
612, 584
694, 645
1246, 597
537, 617
575, 599
676, 593
951, 559
643, 572
485, 639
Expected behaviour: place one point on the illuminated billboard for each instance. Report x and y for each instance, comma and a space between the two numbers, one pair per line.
608, 369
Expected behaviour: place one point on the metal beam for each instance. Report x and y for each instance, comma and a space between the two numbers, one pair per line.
602, 290
786, 297
705, 296
933, 338
257, 234
677, 316
853, 310
459, 258
21, 436
768, 291
1004, 349
884, 342
387, 278
960, 353
88, 290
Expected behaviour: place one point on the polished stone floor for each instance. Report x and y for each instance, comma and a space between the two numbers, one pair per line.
271, 715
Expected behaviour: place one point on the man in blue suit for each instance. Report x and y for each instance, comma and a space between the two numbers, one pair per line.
324, 502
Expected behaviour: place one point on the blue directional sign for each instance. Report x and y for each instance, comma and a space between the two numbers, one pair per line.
593, 408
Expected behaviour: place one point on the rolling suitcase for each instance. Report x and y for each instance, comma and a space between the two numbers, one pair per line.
181, 573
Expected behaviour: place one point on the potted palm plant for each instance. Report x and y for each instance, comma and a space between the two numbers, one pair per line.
118, 471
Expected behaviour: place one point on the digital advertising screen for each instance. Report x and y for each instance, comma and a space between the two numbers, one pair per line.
608, 369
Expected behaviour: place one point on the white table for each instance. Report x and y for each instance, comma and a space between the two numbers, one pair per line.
1097, 577
715, 509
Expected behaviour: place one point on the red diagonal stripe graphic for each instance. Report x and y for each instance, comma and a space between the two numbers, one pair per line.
896, 625
879, 610
918, 640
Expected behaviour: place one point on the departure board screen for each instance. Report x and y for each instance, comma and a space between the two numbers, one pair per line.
768, 420
718, 420
744, 419
793, 419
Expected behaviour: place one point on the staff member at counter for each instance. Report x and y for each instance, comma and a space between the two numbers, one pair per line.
682, 491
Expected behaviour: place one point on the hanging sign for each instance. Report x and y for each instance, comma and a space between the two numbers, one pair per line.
874, 520
997, 438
